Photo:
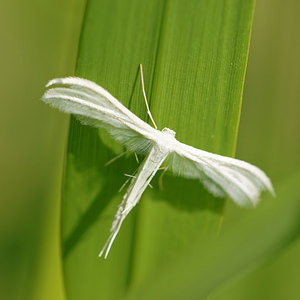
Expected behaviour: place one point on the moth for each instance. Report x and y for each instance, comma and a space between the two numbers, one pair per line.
222, 176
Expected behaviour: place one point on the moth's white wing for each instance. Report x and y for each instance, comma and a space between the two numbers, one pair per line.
221, 175
94, 106
139, 183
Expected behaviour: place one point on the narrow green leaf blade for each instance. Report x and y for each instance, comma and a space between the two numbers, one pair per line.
194, 56
196, 92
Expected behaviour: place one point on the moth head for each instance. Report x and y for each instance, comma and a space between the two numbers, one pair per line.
169, 131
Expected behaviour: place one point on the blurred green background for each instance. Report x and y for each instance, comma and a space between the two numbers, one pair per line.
38, 42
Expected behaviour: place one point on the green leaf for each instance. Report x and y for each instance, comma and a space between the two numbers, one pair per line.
194, 57
246, 244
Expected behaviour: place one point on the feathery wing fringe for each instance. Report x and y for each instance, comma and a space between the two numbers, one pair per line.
92, 105
221, 175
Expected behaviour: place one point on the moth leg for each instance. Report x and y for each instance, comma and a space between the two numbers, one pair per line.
115, 158
123, 185
129, 177
120, 155
160, 180
136, 157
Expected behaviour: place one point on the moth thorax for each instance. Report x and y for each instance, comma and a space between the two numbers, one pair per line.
169, 131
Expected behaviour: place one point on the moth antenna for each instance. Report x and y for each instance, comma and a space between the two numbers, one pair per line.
144, 93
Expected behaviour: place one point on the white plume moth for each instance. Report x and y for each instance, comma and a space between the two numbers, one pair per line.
93, 105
